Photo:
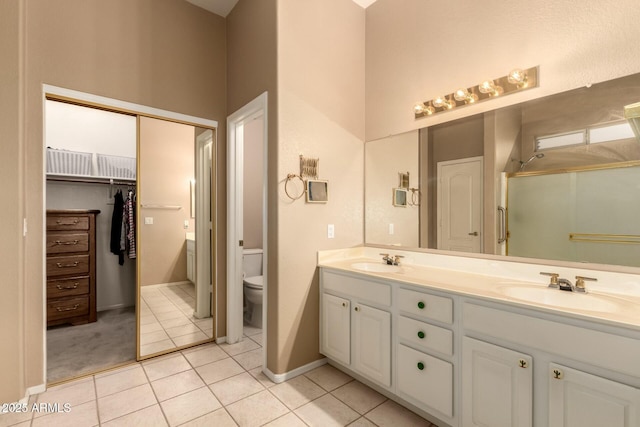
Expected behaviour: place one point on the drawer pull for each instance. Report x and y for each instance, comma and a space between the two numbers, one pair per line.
421, 366
74, 286
72, 222
357, 308
344, 304
523, 363
421, 335
73, 264
75, 307
74, 242
557, 374
421, 305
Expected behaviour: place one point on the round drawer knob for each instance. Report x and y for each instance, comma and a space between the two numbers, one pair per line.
420, 334
421, 305
421, 366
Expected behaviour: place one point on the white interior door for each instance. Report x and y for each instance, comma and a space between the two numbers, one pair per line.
204, 241
459, 198
235, 229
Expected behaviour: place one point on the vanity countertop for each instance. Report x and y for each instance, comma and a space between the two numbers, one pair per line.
530, 292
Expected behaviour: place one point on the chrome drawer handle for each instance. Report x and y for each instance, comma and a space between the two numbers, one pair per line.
72, 222
61, 265
75, 242
75, 307
75, 286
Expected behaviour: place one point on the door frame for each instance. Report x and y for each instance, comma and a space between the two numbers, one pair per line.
439, 166
235, 160
205, 188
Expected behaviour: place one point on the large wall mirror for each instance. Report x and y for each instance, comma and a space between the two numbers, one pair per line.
129, 245
552, 178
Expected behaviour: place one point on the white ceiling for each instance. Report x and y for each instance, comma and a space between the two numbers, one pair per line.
223, 7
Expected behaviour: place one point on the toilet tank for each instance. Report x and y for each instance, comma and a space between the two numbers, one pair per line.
252, 262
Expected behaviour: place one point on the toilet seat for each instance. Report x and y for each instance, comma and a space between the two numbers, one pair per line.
254, 282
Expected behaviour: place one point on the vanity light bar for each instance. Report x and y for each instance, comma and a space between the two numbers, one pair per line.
517, 80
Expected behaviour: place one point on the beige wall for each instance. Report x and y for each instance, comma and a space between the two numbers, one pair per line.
166, 168
119, 49
418, 49
252, 70
12, 385
321, 93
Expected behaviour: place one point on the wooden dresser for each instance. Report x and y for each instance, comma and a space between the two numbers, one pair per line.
71, 266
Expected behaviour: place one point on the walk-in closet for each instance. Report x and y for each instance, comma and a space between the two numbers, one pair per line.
128, 261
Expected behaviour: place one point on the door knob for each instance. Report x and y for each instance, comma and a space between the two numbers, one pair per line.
475, 233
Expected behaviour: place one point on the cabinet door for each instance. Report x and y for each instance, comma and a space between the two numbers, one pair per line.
578, 399
372, 343
335, 337
497, 386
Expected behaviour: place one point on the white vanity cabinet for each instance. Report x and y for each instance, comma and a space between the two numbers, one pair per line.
424, 350
497, 385
579, 399
355, 327
566, 397
191, 260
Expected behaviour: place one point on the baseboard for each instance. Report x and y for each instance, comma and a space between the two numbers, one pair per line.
280, 378
112, 307
37, 389
162, 285
221, 340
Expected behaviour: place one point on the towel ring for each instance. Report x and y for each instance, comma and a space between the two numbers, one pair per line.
290, 177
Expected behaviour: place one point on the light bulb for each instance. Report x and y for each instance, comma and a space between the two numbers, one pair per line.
439, 102
419, 108
487, 86
518, 77
461, 94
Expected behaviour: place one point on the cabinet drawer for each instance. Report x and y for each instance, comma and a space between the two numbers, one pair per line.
63, 308
425, 379
67, 222
425, 305
67, 287
59, 243
363, 289
64, 265
425, 336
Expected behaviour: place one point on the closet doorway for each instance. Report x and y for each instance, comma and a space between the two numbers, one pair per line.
117, 296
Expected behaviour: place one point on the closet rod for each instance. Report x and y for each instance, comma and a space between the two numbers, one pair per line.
89, 180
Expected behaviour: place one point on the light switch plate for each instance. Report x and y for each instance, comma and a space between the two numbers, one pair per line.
331, 231
148, 220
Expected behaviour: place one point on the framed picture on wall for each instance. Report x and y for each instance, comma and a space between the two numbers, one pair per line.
317, 191
400, 197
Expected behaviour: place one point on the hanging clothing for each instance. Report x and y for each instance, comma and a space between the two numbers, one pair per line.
129, 218
116, 227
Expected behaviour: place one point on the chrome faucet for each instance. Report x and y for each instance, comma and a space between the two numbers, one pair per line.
391, 260
557, 282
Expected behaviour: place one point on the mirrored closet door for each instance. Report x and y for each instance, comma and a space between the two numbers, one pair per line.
129, 241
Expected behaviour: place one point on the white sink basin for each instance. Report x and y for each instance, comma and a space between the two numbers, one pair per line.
376, 267
562, 299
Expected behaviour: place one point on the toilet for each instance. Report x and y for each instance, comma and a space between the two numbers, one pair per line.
252, 286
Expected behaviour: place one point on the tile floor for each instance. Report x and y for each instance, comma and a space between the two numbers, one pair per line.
166, 318
215, 385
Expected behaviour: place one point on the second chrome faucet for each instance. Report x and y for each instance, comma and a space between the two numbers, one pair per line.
557, 282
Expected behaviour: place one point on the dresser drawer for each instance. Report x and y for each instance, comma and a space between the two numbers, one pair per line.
425, 336
67, 287
67, 307
425, 379
60, 243
65, 265
67, 222
426, 306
